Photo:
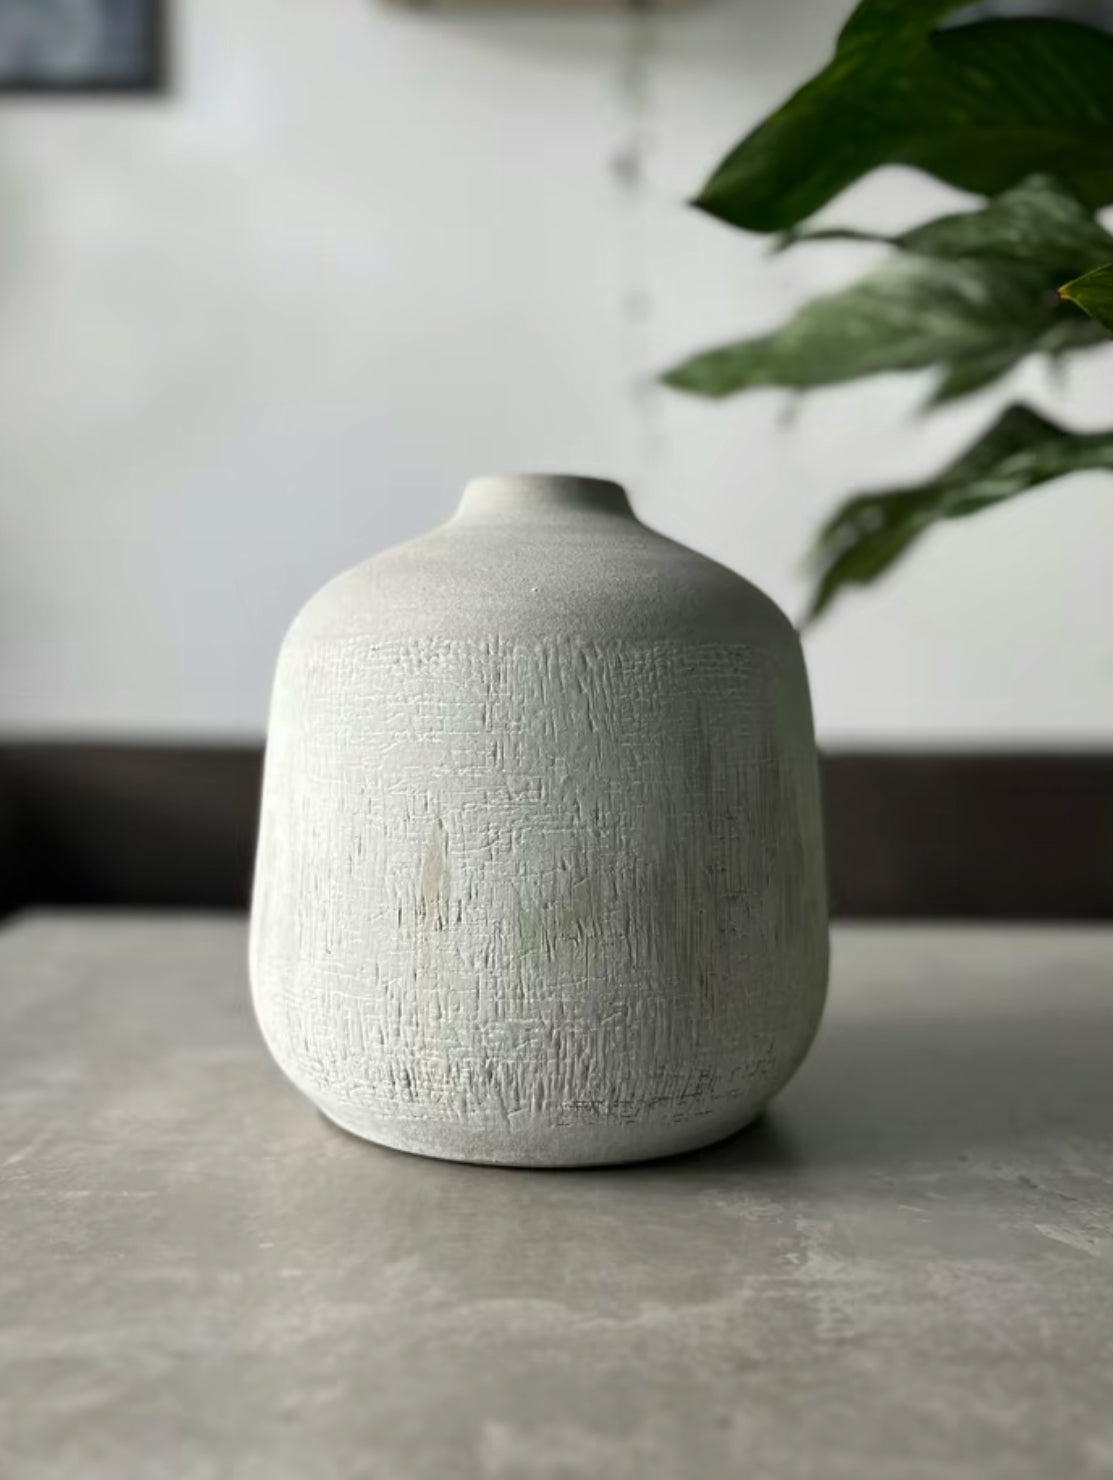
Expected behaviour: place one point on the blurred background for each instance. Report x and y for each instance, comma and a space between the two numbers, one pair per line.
266, 320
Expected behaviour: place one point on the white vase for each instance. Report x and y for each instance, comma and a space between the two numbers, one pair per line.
540, 876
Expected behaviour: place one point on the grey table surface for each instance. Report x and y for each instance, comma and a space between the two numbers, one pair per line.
906, 1269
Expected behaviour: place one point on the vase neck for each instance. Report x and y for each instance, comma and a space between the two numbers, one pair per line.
541, 496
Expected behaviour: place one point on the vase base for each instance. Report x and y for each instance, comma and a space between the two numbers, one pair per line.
543, 1146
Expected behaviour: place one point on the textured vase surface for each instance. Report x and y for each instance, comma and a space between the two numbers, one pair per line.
540, 876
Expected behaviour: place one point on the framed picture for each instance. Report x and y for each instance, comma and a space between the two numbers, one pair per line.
67, 46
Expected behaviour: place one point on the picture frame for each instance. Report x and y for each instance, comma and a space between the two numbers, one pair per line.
68, 47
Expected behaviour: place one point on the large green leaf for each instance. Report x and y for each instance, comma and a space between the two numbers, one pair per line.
975, 318
1037, 222
872, 531
980, 105
974, 373
894, 20
1093, 292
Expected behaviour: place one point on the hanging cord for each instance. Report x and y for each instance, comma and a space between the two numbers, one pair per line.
630, 167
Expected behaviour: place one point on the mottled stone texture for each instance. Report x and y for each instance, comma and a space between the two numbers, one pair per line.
540, 871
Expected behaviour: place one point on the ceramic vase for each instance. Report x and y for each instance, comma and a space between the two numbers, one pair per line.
540, 874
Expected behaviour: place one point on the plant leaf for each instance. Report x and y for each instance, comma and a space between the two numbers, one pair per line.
980, 105
796, 234
887, 20
907, 314
974, 373
873, 530
1093, 292
1037, 222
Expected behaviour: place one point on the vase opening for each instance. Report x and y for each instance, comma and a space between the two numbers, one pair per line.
514, 494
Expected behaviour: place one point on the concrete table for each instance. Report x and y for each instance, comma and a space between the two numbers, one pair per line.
905, 1270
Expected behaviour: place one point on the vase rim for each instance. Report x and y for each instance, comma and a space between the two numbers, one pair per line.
526, 493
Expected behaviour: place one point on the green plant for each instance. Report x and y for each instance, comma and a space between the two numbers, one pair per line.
1019, 111
1093, 292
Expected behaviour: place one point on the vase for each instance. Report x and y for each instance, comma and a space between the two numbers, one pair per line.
540, 873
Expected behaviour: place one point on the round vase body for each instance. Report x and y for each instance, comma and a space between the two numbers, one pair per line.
540, 875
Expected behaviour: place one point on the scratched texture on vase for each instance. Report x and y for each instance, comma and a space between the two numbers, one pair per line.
540, 875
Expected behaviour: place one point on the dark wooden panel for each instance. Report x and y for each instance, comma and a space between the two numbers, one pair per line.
994, 836
960, 836
130, 824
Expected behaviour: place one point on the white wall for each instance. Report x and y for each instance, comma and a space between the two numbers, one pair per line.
257, 331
